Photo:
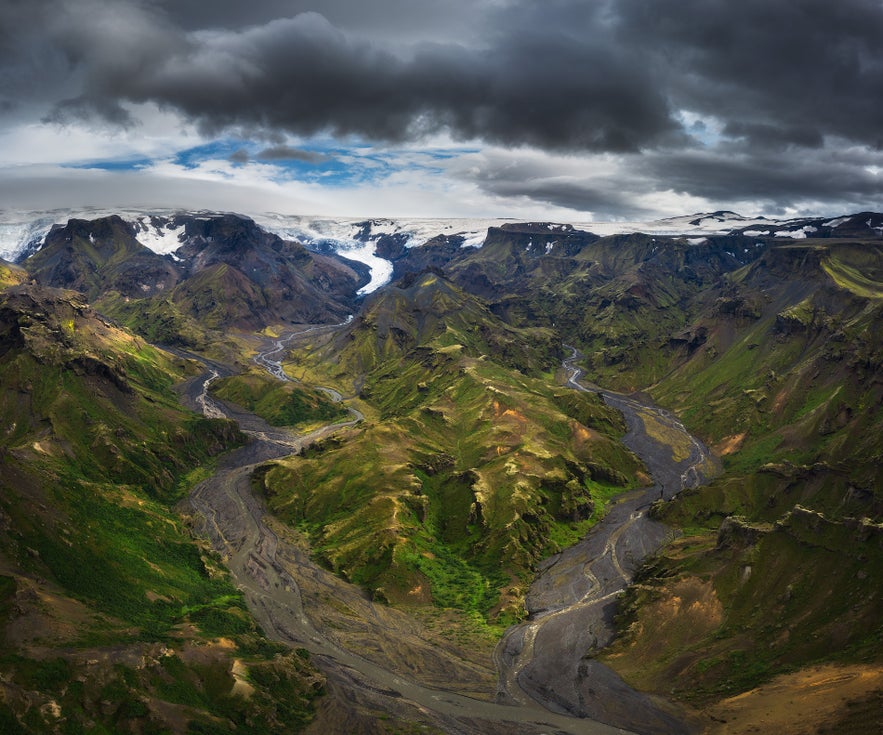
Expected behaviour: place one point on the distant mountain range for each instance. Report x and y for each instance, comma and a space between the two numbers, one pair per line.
368, 240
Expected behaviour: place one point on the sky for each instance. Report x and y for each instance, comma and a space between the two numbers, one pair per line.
561, 110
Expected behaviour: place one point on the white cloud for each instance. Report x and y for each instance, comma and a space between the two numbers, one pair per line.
157, 133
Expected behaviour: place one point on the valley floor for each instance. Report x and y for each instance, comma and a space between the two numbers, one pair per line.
380, 660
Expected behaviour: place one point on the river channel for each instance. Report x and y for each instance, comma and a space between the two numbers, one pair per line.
376, 658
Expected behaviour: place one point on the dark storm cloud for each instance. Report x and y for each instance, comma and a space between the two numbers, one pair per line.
605, 203
776, 181
711, 98
766, 135
795, 70
557, 182
32, 71
562, 74
303, 75
287, 153
278, 153
382, 19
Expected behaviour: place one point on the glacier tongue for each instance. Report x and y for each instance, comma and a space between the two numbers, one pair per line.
356, 238
21, 235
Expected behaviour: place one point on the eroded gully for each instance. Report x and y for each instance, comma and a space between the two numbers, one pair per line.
572, 601
376, 658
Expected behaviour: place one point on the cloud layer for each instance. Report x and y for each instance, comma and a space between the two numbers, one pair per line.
775, 103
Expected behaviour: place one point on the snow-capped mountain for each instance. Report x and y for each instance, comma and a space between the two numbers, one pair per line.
366, 240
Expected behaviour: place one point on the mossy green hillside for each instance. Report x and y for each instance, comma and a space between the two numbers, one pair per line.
472, 472
422, 311
228, 273
797, 382
11, 275
720, 614
767, 350
113, 618
94, 256
159, 320
625, 300
84, 393
279, 403
773, 573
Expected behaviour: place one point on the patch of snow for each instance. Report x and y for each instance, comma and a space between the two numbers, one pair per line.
798, 234
474, 239
381, 270
160, 238
23, 232
836, 222
718, 223
351, 238
356, 238
341, 236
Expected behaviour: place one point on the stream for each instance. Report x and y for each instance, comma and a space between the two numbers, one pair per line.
571, 603
377, 658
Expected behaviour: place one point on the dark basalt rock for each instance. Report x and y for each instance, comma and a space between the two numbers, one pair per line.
737, 532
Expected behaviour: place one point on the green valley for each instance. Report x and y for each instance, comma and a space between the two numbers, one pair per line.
472, 467
483, 502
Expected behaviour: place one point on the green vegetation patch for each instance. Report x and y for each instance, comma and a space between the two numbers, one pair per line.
800, 594
95, 454
473, 473
279, 403
852, 278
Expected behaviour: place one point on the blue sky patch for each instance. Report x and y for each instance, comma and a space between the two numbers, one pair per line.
127, 164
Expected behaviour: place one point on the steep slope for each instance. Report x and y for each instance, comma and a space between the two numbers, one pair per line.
470, 470
279, 403
101, 255
471, 465
784, 548
626, 299
296, 285
11, 275
112, 618
225, 272
426, 307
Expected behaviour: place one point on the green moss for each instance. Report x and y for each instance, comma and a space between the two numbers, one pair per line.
472, 471
851, 277
280, 404
98, 454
